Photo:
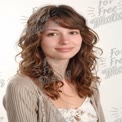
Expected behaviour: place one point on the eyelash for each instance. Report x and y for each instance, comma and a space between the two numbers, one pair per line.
74, 32
51, 34
54, 34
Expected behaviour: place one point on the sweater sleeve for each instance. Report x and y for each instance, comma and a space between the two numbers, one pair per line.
98, 103
21, 102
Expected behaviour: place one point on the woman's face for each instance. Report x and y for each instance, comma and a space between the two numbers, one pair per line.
59, 42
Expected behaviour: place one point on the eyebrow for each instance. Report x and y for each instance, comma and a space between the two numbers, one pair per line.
51, 30
57, 29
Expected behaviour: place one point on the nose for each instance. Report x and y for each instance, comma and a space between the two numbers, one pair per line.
64, 40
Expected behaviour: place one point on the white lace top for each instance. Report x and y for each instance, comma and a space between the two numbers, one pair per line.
84, 113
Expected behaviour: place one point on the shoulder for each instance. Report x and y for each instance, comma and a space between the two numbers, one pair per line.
21, 97
96, 101
20, 88
21, 84
20, 80
95, 89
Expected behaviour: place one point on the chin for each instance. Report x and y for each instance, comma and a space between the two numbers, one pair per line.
64, 56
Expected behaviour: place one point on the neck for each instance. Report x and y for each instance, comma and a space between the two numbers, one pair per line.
59, 66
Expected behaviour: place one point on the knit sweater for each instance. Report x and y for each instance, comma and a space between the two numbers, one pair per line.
25, 102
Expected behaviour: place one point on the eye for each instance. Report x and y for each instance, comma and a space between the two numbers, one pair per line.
52, 34
74, 32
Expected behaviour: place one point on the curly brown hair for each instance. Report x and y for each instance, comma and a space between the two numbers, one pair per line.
81, 66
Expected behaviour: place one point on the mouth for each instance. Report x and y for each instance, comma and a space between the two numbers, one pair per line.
64, 49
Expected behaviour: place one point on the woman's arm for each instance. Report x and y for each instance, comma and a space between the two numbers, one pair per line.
97, 102
20, 102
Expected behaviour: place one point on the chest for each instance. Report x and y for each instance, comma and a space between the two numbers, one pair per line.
84, 113
68, 102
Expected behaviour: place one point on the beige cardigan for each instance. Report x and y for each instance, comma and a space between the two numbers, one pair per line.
25, 102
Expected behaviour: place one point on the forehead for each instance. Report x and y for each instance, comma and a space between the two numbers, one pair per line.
52, 25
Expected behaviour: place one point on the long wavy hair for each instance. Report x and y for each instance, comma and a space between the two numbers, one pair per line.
81, 67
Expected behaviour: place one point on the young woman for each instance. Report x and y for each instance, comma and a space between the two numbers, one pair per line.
56, 80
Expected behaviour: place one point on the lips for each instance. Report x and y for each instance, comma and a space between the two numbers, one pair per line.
64, 49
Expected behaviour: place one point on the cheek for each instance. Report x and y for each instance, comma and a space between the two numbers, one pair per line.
44, 41
78, 42
47, 46
44, 45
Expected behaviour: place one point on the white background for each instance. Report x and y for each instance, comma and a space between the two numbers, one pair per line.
12, 23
